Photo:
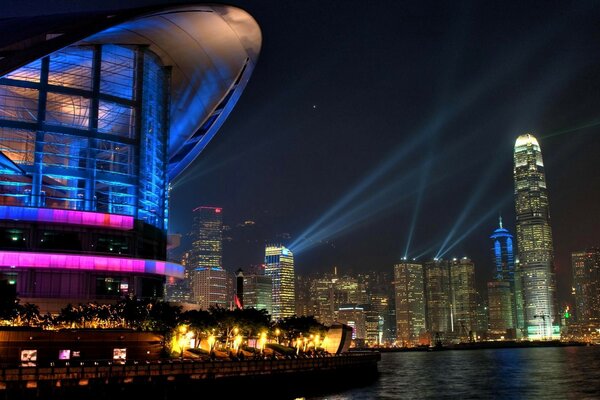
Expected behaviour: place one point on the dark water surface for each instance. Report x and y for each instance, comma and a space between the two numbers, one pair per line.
526, 373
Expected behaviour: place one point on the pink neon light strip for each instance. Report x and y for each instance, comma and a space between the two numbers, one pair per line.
71, 217
21, 259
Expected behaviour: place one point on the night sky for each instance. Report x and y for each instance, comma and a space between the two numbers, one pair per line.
412, 108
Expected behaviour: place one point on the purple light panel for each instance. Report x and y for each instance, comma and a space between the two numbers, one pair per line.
71, 217
22, 259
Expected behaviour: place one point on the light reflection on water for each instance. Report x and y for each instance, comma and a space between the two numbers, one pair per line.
528, 373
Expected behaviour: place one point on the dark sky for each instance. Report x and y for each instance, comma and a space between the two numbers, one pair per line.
393, 97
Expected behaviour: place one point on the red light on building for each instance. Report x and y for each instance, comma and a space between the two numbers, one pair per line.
217, 210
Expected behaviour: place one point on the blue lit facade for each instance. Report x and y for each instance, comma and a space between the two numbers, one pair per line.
95, 121
86, 128
504, 311
503, 254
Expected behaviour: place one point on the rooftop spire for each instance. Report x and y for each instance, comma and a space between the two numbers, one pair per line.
500, 220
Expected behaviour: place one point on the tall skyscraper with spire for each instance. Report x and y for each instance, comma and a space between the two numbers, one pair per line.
534, 239
502, 303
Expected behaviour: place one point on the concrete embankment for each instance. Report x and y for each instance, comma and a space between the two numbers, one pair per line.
265, 378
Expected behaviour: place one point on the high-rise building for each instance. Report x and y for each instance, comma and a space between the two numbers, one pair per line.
354, 316
207, 237
463, 299
95, 122
279, 267
208, 278
258, 292
534, 239
323, 298
209, 287
586, 282
410, 302
437, 294
304, 303
179, 290
500, 309
501, 291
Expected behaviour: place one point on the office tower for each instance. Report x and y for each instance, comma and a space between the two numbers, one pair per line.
322, 298
534, 239
258, 292
354, 316
279, 267
207, 237
179, 290
239, 288
463, 299
379, 302
501, 291
500, 309
303, 298
437, 294
208, 278
410, 302
586, 282
349, 291
209, 287
482, 317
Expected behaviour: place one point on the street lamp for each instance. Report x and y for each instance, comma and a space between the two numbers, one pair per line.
263, 342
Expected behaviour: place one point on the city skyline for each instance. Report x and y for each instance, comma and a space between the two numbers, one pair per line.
485, 93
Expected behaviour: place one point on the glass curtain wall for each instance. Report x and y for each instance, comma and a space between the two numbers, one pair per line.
85, 128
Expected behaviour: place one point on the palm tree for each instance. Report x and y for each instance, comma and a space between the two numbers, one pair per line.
28, 314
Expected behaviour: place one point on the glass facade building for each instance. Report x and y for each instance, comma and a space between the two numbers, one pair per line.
534, 239
86, 128
586, 282
463, 298
208, 278
98, 113
409, 284
279, 266
503, 312
438, 297
257, 292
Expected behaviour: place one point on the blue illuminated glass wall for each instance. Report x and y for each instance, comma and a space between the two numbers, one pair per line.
503, 254
86, 129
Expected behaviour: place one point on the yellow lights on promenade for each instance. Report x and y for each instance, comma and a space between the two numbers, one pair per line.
277, 333
237, 343
182, 339
317, 341
211, 343
262, 342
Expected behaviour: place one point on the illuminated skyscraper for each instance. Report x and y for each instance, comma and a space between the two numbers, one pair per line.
322, 297
258, 292
280, 267
586, 281
354, 316
534, 238
501, 291
437, 291
208, 278
410, 302
500, 309
207, 237
463, 298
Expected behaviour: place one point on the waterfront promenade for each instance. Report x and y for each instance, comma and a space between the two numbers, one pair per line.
44, 382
